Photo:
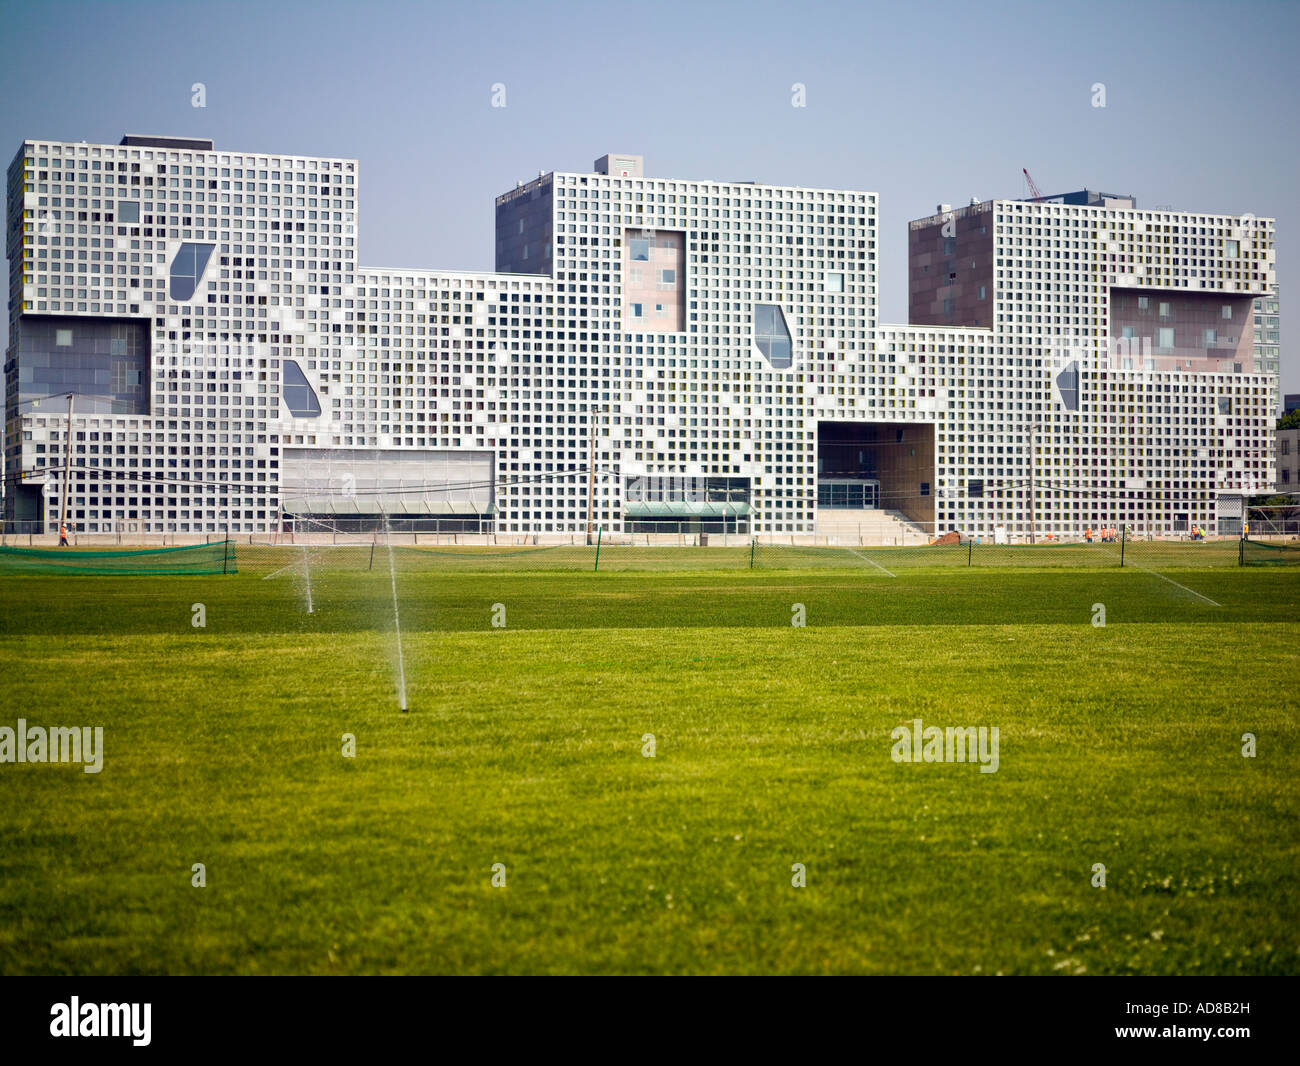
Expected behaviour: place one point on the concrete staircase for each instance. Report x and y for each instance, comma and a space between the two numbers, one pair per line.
870, 527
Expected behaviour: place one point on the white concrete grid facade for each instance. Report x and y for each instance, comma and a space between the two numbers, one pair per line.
1268, 329
524, 370
1151, 448
701, 402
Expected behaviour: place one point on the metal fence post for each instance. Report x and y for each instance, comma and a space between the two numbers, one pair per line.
599, 533
1123, 539
752, 545
970, 549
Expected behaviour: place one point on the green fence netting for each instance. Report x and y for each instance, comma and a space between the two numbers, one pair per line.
216, 558
1270, 553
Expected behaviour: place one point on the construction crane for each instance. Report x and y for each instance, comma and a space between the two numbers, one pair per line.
1032, 187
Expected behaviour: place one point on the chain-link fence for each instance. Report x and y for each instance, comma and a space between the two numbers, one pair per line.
329, 549
1274, 522
1264, 552
961, 552
607, 554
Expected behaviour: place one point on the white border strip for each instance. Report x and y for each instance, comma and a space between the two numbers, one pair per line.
277, 573
1173, 582
873, 563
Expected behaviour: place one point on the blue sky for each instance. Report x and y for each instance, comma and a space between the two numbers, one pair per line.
920, 103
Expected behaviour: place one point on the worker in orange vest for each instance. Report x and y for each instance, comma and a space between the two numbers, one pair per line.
1087, 534
63, 535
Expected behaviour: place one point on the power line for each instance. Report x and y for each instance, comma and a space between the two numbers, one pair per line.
155, 479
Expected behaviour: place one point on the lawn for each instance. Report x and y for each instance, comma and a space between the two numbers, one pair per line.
1119, 745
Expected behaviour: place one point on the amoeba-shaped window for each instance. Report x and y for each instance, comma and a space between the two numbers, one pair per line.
298, 395
187, 268
771, 335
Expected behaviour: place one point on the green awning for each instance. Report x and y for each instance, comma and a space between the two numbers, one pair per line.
684, 508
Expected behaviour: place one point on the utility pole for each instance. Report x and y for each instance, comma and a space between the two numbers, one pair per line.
1032, 522
1033, 500
591, 475
67, 469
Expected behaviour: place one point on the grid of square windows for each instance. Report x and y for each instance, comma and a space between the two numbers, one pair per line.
548, 373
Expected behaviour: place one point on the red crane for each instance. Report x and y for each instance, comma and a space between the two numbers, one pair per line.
1032, 187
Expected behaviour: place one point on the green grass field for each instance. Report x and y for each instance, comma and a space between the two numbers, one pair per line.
1119, 745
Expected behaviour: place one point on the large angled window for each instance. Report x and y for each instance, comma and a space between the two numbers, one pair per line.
187, 268
771, 336
298, 395
1067, 386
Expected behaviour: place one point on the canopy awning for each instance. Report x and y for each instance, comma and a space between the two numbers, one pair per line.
405, 506
684, 508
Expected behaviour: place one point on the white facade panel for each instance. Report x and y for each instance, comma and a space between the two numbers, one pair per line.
528, 368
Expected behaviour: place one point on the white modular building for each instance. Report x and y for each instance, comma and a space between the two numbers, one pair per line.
652, 354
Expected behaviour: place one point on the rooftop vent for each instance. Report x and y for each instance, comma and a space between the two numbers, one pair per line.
193, 144
620, 166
